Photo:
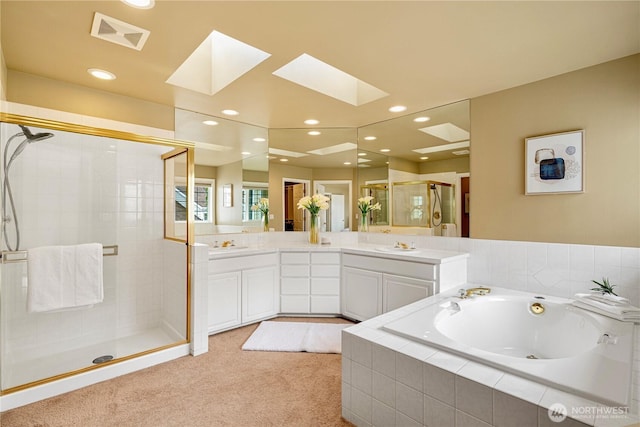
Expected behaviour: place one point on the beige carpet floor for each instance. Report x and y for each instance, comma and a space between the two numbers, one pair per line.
224, 387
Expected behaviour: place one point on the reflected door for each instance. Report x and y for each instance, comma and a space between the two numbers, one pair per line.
298, 214
337, 212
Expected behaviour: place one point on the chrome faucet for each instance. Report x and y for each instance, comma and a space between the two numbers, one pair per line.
466, 293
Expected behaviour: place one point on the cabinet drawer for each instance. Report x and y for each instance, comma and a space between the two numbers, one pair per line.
325, 258
325, 286
294, 304
294, 270
325, 304
240, 262
325, 271
294, 257
294, 285
418, 270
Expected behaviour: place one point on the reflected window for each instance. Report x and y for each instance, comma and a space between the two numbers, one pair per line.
251, 196
203, 202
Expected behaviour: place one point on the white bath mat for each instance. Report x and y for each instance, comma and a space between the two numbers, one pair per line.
297, 336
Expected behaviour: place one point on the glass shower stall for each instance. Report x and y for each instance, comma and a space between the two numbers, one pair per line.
65, 187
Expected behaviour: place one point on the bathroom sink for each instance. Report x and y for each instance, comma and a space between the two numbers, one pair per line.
394, 249
226, 248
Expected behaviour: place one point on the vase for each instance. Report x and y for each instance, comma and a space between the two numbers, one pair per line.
364, 222
313, 229
265, 221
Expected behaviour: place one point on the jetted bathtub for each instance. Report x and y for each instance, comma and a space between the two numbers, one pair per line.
538, 337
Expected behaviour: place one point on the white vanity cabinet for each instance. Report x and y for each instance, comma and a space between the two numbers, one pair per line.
374, 285
310, 282
242, 290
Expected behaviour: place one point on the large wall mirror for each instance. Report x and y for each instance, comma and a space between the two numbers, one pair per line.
427, 170
238, 164
307, 161
231, 171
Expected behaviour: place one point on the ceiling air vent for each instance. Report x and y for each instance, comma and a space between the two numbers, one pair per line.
115, 31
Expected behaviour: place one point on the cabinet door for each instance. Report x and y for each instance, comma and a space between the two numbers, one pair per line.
260, 293
399, 291
362, 293
223, 301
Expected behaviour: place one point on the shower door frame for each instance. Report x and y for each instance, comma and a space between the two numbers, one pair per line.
178, 146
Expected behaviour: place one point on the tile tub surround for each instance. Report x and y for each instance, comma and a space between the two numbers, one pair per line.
388, 380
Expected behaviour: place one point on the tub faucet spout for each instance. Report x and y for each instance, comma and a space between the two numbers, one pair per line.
476, 291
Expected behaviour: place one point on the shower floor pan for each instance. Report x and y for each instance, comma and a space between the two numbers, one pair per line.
25, 371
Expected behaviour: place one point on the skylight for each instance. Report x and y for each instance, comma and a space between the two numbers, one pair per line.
443, 147
287, 153
218, 61
316, 75
447, 131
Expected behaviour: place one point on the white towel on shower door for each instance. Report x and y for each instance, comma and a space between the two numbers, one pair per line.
64, 277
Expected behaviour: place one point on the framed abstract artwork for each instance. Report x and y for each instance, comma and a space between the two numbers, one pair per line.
554, 164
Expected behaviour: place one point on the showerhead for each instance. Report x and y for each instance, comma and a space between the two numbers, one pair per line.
29, 137
34, 137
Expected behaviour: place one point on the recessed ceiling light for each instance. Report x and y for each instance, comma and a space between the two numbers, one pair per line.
140, 4
362, 154
311, 122
245, 153
314, 133
210, 122
422, 119
230, 112
101, 74
284, 160
369, 138
384, 150
461, 152
258, 139
347, 163
424, 158
397, 108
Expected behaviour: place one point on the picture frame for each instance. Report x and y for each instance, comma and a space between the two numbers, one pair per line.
554, 163
227, 195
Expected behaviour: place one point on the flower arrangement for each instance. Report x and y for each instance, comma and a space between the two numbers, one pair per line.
263, 206
314, 204
365, 205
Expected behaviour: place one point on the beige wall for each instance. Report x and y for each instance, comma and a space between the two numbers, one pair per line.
207, 172
403, 165
604, 101
459, 165
28, 89
229, 174
255, 176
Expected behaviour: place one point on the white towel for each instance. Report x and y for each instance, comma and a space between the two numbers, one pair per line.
604, 298
625, 314
64, 277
